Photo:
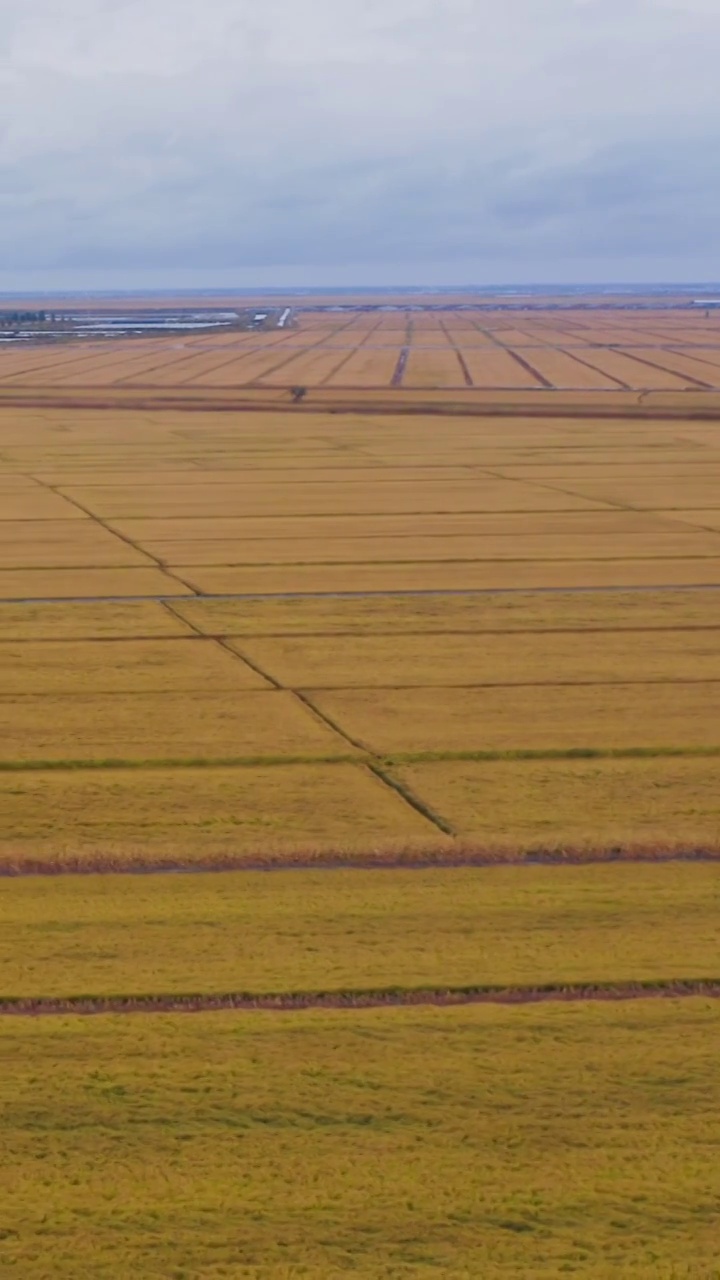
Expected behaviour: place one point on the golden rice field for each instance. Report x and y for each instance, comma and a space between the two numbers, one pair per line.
422, 1142
100, 935
435, 697
400, 617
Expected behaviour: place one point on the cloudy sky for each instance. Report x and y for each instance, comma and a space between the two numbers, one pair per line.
274, 142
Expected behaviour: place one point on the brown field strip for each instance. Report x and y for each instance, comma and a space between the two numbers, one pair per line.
131, 666
313, 498
468, 575
78, 621
512, 718
447, 548
416, 615
35, 504
436, 368
479, 524
682, 466
562, 369
186, 367
39, 543
685, 363
634, 373
395, 661
497, 368
52, 584
682, 494
310, 367
114, 363
366, 367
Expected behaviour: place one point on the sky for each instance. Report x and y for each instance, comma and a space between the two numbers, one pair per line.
225, 143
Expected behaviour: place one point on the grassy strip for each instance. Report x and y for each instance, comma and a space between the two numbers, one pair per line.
361, 999
387, 761
189, 762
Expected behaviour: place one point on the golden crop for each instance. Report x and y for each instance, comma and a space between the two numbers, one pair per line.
438, 1143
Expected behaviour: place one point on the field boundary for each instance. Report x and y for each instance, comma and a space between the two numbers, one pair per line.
400, 592
369, 998
419, 856
642, 405
362, 755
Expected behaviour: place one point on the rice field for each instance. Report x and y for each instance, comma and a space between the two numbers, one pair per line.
357, 929
604, 351
435, 697
429, 1142
207, 599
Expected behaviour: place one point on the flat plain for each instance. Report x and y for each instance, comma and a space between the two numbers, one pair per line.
377, 607
426, 672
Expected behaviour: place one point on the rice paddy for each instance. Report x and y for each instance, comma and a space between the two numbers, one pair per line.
431, 685
428, 1142
358, 929
219, 575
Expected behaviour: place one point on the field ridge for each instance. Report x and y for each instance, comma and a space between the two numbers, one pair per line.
369, 998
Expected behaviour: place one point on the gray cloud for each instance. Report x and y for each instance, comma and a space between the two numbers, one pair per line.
243, 140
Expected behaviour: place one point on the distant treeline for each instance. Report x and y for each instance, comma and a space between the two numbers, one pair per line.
24, 317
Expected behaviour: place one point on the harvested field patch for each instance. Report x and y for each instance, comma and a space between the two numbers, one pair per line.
433, 368
390, 661
314, 498
514, 719
204, 1120
367, 367
36, 504
166, 816
52, 584
151, 726
389, 525
638, 466
556, 803
562, 370
469, 575
298, 615
78, 621
698, 519
683, 544
82, 667
63, 544
678, 494
498, 368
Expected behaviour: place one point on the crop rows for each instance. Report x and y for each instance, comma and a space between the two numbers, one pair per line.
361, 351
